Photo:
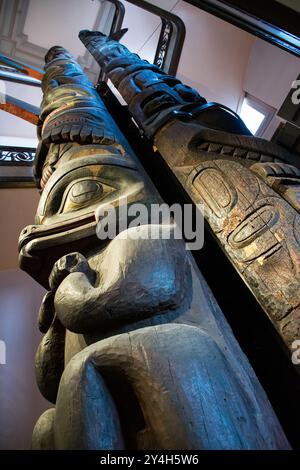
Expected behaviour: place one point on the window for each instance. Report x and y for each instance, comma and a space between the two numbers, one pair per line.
256, 114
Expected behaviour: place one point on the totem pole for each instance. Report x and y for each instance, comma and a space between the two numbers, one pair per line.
250, 187
136, 353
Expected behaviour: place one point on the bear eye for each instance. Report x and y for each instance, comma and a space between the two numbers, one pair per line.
84, 193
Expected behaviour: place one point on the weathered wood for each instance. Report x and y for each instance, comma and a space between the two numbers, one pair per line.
250, 188
150, 361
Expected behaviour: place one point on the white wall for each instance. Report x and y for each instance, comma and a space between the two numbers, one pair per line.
141, 25
269, 76
214, 56
270, 72
20, 400
13, 126
59, 22
17, 209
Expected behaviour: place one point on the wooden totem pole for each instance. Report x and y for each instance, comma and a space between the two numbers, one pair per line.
136, 352
250, 187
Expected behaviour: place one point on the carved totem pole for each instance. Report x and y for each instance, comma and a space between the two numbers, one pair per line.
250, 187
136, 353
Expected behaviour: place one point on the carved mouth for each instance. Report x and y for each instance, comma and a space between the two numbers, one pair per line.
31, 232
41, 246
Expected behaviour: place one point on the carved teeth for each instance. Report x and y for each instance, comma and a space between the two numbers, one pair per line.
240, 152
253, 155
266, 158
214, 148
227, 150
203, 146
75, 131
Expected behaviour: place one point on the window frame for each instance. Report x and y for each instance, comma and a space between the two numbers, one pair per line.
268, 111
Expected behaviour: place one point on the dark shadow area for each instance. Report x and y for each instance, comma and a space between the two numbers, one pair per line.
129, 411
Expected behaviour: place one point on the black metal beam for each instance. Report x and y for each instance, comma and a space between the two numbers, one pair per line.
176, 41
265, 19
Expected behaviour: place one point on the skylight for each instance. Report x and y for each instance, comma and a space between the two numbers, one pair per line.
251, 117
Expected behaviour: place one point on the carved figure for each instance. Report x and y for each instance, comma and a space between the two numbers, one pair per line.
250, 187
136, 352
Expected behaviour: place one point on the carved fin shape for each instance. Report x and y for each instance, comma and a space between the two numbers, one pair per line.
118, 34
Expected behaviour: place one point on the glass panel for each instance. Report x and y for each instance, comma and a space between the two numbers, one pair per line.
251, 117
